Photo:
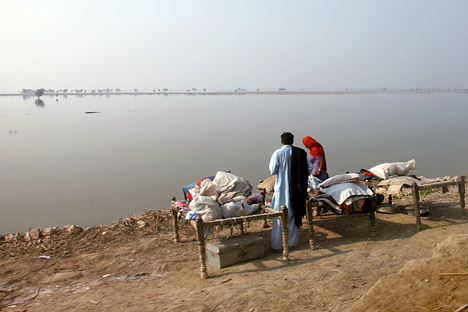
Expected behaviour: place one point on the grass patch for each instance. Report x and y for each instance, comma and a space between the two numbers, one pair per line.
430, 191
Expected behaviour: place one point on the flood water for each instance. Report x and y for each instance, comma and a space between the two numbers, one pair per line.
61, 165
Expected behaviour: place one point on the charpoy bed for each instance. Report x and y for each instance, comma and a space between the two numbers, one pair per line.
265, 187
200, 226
413, 185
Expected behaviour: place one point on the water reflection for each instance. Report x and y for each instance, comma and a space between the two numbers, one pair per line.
39, 103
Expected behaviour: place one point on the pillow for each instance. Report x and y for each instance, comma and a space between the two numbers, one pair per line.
341, 178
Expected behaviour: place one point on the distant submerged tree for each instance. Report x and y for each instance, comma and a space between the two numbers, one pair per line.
39, 92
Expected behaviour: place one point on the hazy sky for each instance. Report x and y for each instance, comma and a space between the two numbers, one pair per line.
219, 44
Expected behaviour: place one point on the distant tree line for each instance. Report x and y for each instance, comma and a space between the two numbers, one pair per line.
42, 91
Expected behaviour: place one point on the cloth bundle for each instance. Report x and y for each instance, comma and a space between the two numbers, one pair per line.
207, 207
343, 194
224, 195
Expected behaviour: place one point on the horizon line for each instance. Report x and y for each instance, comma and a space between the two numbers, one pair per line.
204, 91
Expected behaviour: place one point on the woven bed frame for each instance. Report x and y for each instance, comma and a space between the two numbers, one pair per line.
199, 225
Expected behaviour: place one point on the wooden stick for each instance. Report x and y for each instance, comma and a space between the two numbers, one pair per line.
453, 274
434, 185
175, 225
239, 220
461, 191
270, 210
285, 229
310, 218
373, 231
416, 205
265, 222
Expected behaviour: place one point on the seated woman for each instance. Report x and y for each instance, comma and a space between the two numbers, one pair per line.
317, 158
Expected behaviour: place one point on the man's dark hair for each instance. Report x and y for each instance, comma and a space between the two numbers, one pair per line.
287, 138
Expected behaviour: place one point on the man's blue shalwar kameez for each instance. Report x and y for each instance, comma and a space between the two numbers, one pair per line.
280, 164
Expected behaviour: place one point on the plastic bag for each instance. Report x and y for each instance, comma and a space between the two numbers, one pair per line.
313, 183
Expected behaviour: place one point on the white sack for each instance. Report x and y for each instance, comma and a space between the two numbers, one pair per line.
207, 207
208, 188
238, 207
232, 209
386, 170
251, 209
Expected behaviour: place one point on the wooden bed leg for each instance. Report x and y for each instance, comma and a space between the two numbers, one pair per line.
416, 206
310, 218
284, 229
175, 225
461, 191
390, 199
373, 230
201, 247
319, 211
265, 222
241, 228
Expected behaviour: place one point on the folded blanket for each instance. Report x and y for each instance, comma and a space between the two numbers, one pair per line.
230, 185
343, 191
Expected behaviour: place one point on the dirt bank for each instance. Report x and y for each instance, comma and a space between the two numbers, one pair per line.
133, 265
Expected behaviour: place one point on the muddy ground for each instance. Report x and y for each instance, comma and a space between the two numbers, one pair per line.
134, 265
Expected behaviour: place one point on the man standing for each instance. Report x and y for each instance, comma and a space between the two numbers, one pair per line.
292, 168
